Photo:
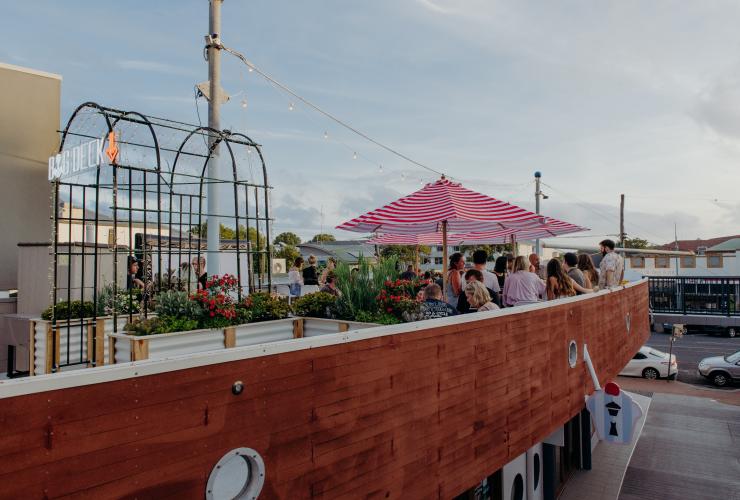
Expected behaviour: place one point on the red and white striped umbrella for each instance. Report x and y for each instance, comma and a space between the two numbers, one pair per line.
549, 228
443, 201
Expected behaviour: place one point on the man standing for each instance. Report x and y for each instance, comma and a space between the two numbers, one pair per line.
611, 267
490, 280
199, 268
535, 267
570, 265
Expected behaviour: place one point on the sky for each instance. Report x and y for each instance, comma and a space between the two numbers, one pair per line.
604, 98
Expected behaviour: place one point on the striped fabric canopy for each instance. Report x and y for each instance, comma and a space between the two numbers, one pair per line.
549, 228
424, 211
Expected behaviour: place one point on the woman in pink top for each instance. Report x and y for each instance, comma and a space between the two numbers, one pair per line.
521, 286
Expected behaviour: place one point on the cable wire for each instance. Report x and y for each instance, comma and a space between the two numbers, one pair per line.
327, 114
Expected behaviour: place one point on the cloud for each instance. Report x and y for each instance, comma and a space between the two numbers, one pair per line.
151, 66
718, 106
434, 7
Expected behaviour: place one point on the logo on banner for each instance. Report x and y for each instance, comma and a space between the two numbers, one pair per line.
614, 414
83, 157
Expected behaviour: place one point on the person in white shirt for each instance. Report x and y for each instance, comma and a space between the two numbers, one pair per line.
295, 277
611, 267
490, 280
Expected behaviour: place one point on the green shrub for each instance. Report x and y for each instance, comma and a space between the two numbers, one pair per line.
176, 304
69, 310
361, 287
154, 326
381, 318
316, 305
265, 307
126, 301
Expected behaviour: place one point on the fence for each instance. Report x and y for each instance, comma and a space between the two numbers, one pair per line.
703, 296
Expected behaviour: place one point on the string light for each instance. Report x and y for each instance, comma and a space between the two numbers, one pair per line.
380, 168
403, 176
290, 107
354, 155
326, 135
244, 103
251, 69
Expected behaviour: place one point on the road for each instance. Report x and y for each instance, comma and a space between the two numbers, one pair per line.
691, 349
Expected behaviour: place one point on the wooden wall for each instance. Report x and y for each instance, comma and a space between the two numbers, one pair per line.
424, 414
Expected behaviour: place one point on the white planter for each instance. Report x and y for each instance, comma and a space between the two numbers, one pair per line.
126, 348
73, 340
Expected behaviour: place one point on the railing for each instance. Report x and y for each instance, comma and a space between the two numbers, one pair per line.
695, 295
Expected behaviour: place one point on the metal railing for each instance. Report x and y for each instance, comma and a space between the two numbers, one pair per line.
718, 296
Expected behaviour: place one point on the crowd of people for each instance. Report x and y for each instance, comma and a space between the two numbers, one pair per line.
300, 276
517, 281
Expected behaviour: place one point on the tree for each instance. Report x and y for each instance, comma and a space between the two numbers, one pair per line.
321, 237
287, 238
636, 243
228, 233
469, 249
405, 253
287, 252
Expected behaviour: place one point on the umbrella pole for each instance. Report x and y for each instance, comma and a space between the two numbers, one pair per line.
444, 257
416, 260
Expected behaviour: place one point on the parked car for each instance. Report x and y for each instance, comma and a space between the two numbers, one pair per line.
651, 363
727, 331
721, 370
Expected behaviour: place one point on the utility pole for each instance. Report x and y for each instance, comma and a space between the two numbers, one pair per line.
214, 97
621, 220
537, 196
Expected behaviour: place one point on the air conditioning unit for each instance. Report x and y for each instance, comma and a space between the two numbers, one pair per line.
278, 266
701, 250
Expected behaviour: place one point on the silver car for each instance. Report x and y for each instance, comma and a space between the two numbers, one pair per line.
721, 370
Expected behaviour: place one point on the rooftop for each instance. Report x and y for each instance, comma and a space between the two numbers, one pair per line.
693, 245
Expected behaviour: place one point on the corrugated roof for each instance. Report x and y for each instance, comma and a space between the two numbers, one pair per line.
693, 245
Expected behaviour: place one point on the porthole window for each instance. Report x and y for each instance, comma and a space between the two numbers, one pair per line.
240, 474
572, 354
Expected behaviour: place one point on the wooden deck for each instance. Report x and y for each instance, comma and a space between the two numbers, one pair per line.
423, 410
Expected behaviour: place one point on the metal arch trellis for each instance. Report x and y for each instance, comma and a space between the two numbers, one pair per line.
149, 212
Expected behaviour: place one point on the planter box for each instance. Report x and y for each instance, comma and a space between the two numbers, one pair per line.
69, 344
125, 348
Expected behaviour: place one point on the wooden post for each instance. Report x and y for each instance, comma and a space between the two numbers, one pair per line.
298, 328
139, 349
343, 327
112, 351
90, 354
229, 337
32, 350
58, 346
100, 342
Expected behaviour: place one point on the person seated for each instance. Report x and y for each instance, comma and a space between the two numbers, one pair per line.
433, 305
463, 306
408, 274
478, 297
310, 273
132, 279
331, 286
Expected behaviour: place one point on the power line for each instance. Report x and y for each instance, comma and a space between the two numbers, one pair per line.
327, 114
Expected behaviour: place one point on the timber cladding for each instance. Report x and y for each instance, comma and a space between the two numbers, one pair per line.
423, 414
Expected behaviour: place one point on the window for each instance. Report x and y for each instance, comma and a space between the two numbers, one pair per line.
455, 249
637, 262
639, 355
663, 262
688, 261
714, 261
439, 248
438, 260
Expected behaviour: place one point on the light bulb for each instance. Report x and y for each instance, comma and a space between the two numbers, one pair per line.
244, 103
403, 176
380, 168
326, 135
354, 156
290, 107
251, 69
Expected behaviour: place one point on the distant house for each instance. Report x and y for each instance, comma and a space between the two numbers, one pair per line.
697, 246
347, 251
